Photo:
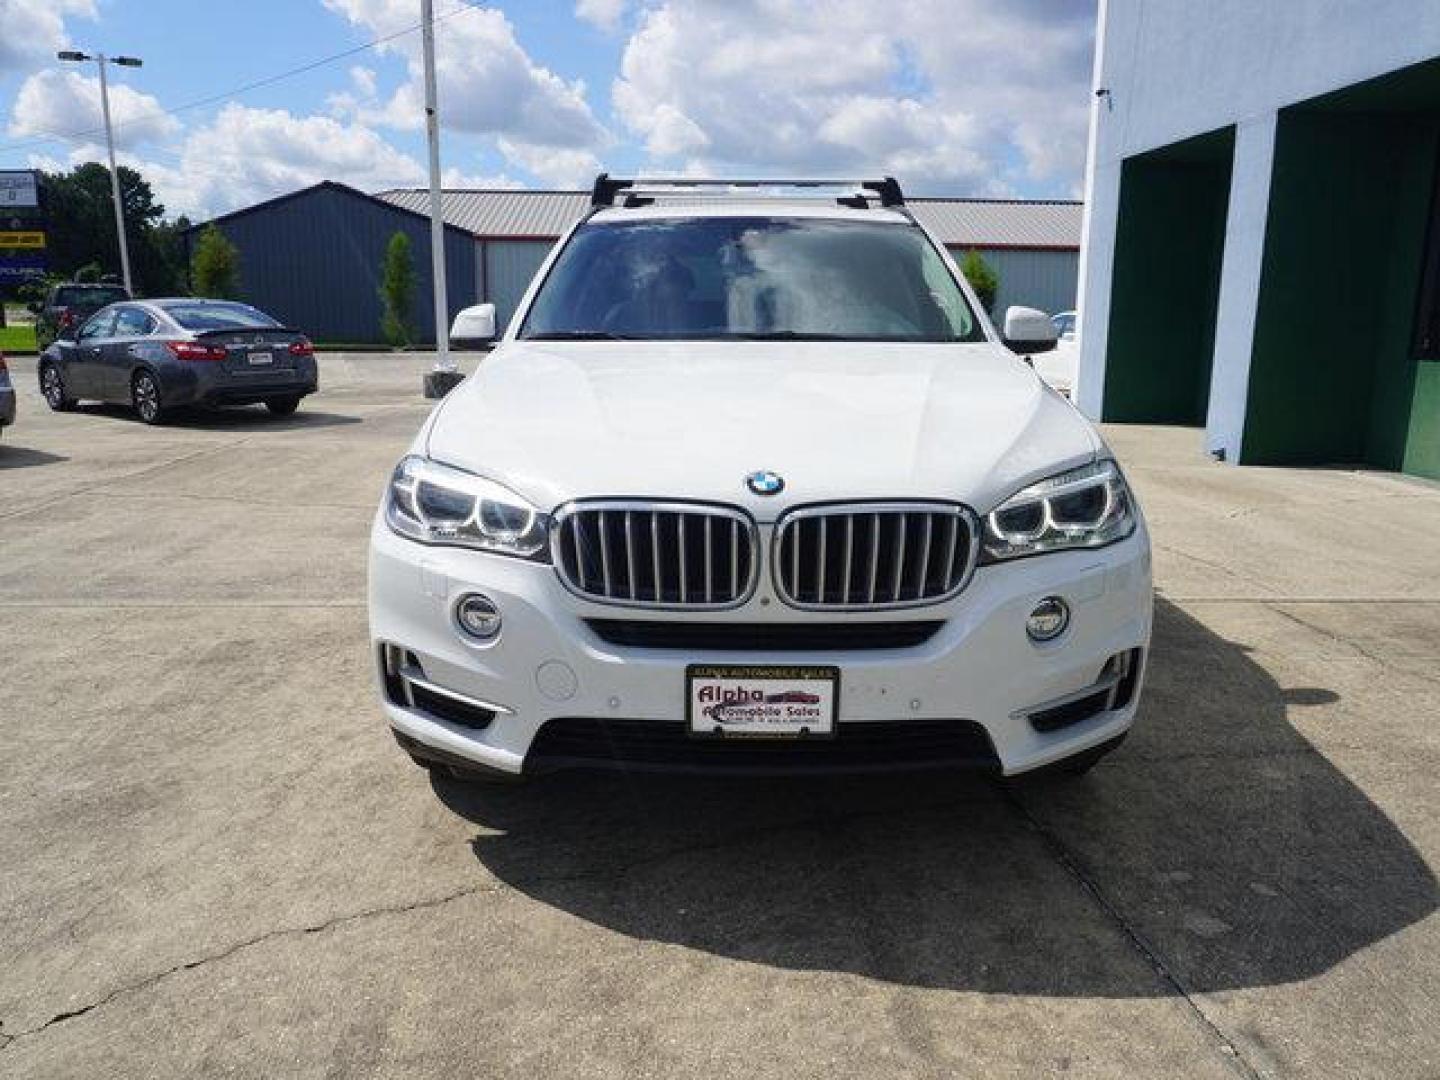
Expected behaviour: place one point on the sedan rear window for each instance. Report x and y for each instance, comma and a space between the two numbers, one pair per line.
222, 316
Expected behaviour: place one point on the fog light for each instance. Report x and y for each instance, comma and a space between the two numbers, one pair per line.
478, 617
1049, 619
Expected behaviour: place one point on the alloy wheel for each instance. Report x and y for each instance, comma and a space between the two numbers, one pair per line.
147, 399
51, 387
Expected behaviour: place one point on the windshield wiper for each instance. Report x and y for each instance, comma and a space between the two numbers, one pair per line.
781, 335
576, 335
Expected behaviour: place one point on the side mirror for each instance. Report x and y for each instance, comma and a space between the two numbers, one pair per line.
1028, 330
474, 327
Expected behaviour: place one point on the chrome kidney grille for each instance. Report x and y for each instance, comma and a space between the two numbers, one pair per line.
868, 556
656, 554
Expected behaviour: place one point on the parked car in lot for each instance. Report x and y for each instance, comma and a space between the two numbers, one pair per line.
160, 355
67, 306
1059, 366
735, 445
7, 395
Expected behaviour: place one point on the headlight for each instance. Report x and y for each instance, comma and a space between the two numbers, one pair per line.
436, 504
1087, 507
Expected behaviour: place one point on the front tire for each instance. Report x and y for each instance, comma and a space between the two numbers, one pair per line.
282, 406
145, 398
52, 386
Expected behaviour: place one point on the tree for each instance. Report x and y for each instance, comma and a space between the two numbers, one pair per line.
216, 268
982, 278
397, 291
80, 228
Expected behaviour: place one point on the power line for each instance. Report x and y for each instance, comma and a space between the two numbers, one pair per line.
198, 103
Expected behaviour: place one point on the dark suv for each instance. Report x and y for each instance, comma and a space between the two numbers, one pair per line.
68, 306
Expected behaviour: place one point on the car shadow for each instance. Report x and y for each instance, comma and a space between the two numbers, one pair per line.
238, 418
23, 457
1218, 839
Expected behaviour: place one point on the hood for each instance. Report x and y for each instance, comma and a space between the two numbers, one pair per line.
560, 421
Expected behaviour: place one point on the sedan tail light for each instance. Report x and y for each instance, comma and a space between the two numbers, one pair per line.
195, 350
303, 347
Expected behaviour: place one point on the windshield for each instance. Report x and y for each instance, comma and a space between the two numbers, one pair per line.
213, 316
755, 278
70, 296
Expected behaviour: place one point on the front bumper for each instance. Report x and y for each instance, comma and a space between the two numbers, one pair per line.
978, 670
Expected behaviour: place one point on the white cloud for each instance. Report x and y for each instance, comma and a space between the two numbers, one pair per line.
605, 14
245, 155
555, 166
459, 178
60, 102
34, 29
359, 100
966, 93
488, 84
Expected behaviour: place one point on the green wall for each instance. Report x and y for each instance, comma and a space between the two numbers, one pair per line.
1331, 376
1169, 245
1422, 450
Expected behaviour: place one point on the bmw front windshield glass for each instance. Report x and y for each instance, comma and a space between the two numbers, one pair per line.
749, 278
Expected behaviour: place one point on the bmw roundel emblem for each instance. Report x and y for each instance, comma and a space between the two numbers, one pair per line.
765, 482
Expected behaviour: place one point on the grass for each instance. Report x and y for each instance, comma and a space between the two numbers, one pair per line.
17, 339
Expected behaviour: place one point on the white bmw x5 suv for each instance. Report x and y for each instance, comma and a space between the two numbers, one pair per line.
750, 483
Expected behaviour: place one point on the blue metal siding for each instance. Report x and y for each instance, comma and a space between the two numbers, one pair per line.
313, 262
1040, 279
509, 266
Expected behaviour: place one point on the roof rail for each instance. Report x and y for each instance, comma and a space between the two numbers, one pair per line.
642, 191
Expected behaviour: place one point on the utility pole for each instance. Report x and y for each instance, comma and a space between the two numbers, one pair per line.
120, 61
446, 374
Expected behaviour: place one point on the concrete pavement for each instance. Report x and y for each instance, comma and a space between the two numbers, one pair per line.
216, 861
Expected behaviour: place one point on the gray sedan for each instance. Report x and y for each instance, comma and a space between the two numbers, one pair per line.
160, 355
7, 395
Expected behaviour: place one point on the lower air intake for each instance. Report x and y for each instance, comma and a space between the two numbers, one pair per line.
660, 745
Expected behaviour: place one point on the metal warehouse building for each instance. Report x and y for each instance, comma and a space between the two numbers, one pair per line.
312, 258
1263, 242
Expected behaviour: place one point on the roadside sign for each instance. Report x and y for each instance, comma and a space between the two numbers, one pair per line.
22, 241
19, 267
19, 188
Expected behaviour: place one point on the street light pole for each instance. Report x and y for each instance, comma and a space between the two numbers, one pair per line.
114, 177
123, 61
445, 376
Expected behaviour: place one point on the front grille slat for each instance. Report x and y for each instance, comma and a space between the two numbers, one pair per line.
630, 550
647, 553
605, 580
734, 557
874, 555
950, 546
820, 573
709, 562
684, 562
922, 564
899, 558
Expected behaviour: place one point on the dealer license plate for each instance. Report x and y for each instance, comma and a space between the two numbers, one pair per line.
262, 358
762, 702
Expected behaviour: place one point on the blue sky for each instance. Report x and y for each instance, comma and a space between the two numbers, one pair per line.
952, 96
